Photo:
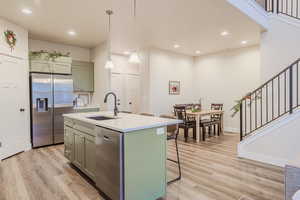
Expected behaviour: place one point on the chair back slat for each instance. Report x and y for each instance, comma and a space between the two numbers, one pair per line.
216, 106
180, 112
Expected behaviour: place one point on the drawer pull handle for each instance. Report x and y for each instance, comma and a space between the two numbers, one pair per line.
106, 138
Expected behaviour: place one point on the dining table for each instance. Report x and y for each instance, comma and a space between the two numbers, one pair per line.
198, 115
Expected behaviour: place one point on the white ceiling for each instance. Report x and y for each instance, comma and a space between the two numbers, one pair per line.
193, 24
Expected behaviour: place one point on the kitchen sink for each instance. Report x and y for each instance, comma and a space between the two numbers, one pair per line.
100, 118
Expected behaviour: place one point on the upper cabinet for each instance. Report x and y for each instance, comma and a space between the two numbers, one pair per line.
83, 76
60, 65
20, 49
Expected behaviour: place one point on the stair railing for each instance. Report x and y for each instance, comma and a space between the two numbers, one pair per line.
268, 5
290, 8
273, 99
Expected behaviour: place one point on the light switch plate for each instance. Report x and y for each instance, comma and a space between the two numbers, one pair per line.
160, 131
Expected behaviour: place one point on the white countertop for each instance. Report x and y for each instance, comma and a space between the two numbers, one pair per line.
123, 122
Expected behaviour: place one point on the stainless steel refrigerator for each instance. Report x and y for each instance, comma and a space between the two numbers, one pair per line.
51, 97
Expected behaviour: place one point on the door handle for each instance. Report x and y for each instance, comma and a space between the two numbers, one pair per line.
106, 138
22, 110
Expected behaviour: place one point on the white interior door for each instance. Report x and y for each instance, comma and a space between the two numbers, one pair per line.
133, 93
14, 126
117, 86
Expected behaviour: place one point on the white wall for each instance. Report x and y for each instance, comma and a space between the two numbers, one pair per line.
77, 53
225, 77
280, 47
21, 48
217, 78
276, 144
165, 66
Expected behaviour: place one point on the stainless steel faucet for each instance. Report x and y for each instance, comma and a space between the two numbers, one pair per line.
115, 98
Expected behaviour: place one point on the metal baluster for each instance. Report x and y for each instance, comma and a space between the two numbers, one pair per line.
241, 121
291, 89
245, 116
250, 106
278, 95
297, 86
292, 2
272, 99
267, 104
255, 98
284, 91
261, 107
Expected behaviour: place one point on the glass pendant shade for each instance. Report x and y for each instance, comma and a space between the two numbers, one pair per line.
109, 64
134, 58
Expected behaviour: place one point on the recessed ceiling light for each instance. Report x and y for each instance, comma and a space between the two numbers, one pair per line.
244, 42
126, 52
176, 46
26, 11
224, 33
198, 52
72, 33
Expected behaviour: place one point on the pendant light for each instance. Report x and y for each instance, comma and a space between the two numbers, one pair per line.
134, 57
109, 64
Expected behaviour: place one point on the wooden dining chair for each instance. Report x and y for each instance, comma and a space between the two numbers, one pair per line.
188, 122
215, 120
172, 134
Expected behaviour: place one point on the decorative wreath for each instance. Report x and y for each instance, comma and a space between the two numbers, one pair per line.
11, 39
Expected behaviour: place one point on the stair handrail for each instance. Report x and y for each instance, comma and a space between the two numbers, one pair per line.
256, 95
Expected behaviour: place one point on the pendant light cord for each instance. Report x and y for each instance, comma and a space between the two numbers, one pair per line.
109, 13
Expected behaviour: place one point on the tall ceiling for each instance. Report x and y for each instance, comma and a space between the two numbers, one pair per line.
193, 24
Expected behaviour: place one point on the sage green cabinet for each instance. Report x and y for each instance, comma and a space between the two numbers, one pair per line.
69, 144
78, 149
80, 146
90, 156
60, 65
83, 76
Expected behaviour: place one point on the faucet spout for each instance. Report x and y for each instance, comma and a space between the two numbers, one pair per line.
115, 103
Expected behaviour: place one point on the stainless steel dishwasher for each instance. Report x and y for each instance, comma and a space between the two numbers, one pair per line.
109, 163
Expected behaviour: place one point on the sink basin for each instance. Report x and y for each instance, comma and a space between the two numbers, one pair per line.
100, 118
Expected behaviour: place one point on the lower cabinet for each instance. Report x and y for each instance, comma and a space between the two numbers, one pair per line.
80, 150
69, 144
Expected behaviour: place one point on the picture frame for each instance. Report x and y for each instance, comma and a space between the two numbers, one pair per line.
174, 87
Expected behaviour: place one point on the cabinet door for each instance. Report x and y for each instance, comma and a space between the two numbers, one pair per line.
78, 149
83, 76
69, 143
61, 68
40, 66
90, 156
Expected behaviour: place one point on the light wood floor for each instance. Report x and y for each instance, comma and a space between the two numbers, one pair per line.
211, 171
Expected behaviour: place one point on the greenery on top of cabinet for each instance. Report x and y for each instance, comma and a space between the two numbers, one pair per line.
45, 55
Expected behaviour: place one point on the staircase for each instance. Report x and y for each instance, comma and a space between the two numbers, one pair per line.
270, 119
275, 98
290, 8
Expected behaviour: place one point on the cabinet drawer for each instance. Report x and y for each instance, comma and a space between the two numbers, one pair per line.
84, 127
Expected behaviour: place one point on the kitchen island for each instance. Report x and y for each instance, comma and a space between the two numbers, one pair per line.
125, 155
